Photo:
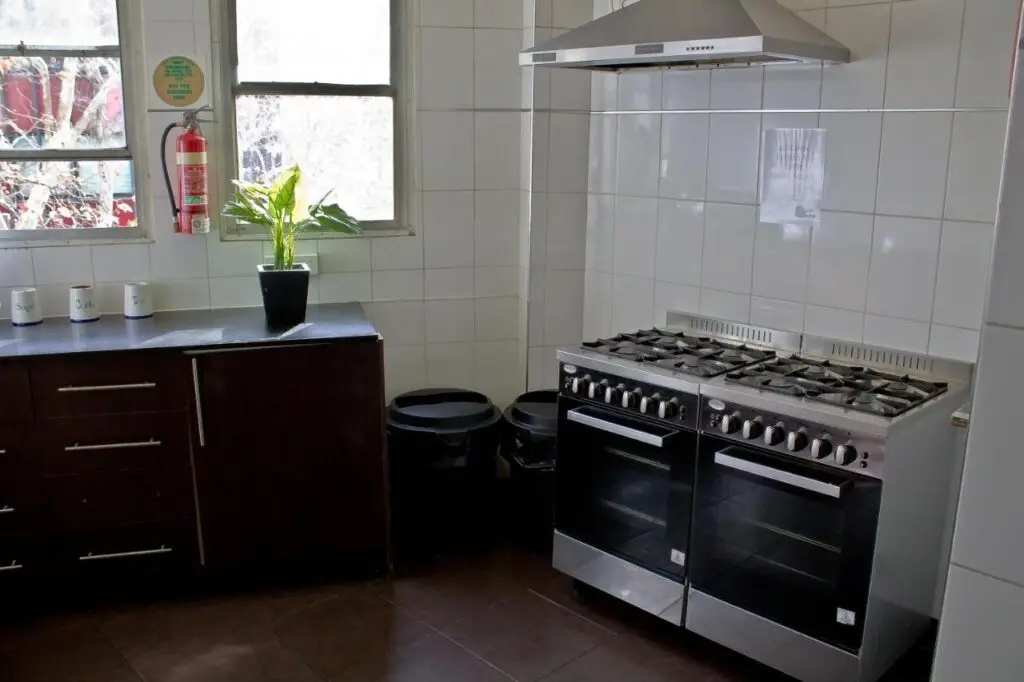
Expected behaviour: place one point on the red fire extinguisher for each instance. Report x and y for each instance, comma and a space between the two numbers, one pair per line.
193, 215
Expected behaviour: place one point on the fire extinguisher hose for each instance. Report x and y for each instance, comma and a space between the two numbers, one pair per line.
163, 165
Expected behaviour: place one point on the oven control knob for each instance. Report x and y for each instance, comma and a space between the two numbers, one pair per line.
631, 398
596, 391
845, 454
796, 441
752, 428
611, 394
775, 434
649, 405
731, 423
821, 448
579, 384
668, 408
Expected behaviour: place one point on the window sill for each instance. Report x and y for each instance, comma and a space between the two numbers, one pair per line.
13, 239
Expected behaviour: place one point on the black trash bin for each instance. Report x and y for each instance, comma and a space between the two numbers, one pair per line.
528, 447
442, 445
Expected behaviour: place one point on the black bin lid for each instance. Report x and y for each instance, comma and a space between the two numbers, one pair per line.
536, 412
442, 410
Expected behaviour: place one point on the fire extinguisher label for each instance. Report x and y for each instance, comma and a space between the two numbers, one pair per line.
200, 224
194, 185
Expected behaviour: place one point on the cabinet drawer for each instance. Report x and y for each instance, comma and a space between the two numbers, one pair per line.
18, 558
128, 441
15, 391
20, 506
131, 550
112, 383
17, 457
105, 499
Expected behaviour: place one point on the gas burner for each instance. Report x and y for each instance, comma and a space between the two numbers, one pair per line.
695, 355
854, 388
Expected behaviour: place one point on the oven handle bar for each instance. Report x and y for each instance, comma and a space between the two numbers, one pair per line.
617, 429
763, 471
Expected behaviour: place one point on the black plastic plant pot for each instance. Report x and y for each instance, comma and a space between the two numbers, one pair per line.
284, 295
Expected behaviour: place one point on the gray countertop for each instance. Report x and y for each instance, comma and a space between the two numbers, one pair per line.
181, 329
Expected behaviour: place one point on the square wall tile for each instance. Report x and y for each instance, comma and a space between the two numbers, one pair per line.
737, 88
781, 253
448, 13
990, 492
965, 257
923, 52
954, 342
837, 276
235, 292
680, 242
497, 148
535, 359
567, 232
913, 162
733, 154
569, 145
121, 263
16, 268
670, 297
636, 230
571, 13
497, 227
176, 256
989, 31
164, 38
563, 307
446, 139
904, 257
449, 320
449, 364
161, 10
403, 252
341, 255
405, 369
185, 294
397, 285
570, 90
979, 636
604, 91
775, 314
638, 158
497, 370
684, 156
792, 88
448, 229
53, 299
898, 334
497, 319
852, 144
232, 259
728, 254
725, 305
496, 280
496, 68
640, 90
604, 140
832, 323
861, 83
632, 303
400, 323
600, 233
975, 165
597, 305
494, 13
446, 68
686, 90
342, 287
65, 264
448, 283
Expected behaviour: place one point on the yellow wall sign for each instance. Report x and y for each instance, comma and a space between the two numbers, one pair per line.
179, 81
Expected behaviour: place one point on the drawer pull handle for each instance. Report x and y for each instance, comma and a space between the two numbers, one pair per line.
151, 443
14, 566
6, 509
124, 555
2, 451
106, 387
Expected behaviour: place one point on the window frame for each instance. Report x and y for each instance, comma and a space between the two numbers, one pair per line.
399, 91
128, 52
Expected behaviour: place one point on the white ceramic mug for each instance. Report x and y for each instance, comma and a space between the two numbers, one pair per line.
25, 308
83, 304
138, 301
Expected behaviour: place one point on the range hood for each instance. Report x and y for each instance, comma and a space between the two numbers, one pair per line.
689, 33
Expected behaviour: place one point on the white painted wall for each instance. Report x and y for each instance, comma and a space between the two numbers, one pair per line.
445, 299
901, 255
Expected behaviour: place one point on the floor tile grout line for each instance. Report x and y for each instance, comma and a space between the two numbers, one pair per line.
120, 652
476, 655
575, 613
568, 663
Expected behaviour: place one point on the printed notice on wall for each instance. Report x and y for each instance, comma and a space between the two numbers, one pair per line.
179, 82
792, 175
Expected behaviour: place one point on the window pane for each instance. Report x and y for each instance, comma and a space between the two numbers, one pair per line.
61, 102
344, 144
315, 41
58, 22
66, 195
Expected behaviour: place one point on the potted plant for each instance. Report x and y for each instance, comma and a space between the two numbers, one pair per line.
281, 210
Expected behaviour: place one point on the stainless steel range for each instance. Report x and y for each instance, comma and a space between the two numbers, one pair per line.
782, 495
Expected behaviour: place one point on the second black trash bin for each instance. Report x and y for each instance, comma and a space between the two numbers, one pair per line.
442, 445
528, 447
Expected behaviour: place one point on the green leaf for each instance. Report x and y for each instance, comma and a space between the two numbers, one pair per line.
282, 192
332, 218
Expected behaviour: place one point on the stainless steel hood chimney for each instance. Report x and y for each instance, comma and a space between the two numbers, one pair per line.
689, 33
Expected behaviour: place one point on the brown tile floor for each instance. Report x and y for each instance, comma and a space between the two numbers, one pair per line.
504, 615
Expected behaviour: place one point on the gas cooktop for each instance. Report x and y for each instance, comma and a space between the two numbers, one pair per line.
854, 388
698, 356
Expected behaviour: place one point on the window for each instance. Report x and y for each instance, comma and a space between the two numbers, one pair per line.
65, 160
317, 85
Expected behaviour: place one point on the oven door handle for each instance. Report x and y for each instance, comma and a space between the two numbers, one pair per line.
796, 480
579, 417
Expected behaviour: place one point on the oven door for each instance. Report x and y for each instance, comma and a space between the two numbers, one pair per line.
784, 539
624, 486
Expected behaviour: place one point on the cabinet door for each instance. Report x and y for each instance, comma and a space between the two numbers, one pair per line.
289, 454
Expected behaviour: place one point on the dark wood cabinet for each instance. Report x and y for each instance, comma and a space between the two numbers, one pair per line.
289, 454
